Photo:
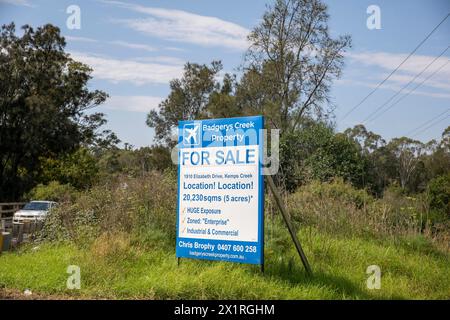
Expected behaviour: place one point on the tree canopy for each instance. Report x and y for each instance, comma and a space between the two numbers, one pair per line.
291, 63
44, 99
286, 76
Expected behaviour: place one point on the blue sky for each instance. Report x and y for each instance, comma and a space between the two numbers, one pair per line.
137, 47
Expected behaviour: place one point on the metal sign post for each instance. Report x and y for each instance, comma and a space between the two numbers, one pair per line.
289, 225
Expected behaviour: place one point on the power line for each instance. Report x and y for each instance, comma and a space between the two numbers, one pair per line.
404, 87
431, 125
410, 91
427, 122
398, 67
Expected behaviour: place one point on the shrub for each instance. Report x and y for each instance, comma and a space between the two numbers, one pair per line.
79, 169
111, 246
316, 153
397, 214
54, 191
438, 192
333, 206
339, 190
129, 205
337, 207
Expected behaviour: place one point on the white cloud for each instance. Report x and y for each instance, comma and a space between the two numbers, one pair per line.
118, 70
125, 44
396, 87
23, 3
132, 103
138, 46
175, 49
414, 65
80, 39
130, 45
162, 59
182, 26
390, 61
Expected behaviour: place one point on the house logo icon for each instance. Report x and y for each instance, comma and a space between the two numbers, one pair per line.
192, 134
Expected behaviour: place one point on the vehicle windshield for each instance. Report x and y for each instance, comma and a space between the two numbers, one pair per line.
36, 206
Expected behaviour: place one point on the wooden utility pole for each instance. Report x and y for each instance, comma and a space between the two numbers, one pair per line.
289, 225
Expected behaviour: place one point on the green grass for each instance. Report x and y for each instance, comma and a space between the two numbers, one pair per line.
147, 268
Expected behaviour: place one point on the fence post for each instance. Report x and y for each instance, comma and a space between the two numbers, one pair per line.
20, 233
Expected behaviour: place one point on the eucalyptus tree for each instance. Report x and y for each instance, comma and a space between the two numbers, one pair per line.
188, 99
408, 153
291, 63
44, 99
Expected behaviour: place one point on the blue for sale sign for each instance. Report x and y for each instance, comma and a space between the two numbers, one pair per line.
220, 190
